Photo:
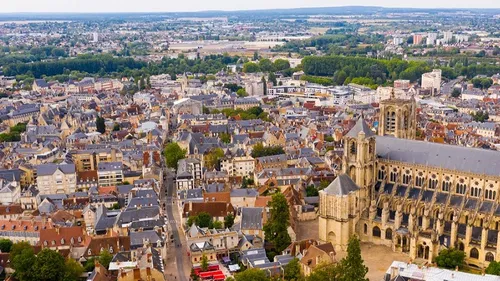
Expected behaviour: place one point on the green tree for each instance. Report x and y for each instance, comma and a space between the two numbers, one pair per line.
323, 184
246, 182
340, 77
251, 67
326, 272
89, 264
264, 85
281, 64
480, 116
276, 228
105, 258
265, 65
48, 266
353, 267
173, 153
204, 219
116, 206
213, 157
311, 191
225, 137
228, 221
259, 150
242, 93
5, 245
18, 128
204, 263
493, 268
450, 258
255, 56
22, 259
251, 274
72, 270
292, 270
232, 87
216, 225
456, 93
272, 78
193, 275
101, 126
206, 110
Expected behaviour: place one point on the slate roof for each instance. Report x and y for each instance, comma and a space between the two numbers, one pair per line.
131, 215
360, 126
147, 224
452, 157
137, 239
11, 175
342, 185
251, 218
49, 169
244, 192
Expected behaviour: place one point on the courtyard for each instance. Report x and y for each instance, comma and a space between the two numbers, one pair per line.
377, 258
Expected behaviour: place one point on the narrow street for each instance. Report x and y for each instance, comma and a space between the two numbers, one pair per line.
181, 267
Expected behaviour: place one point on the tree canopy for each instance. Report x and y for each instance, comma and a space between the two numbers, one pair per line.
251, 274
276, 227
450, 258
493, 268
100, 125
353, 268
204, 219
292, 270
173, 153
213, 157
259, 150
47, 265
228, 221
251, 67
255, 112
5, 245
480, 116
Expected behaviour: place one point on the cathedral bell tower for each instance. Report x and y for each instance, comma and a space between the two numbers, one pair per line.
359, 158
398, 118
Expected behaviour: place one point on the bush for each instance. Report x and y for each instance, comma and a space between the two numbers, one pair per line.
450, 258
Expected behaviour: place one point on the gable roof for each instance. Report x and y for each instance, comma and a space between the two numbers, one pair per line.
360, 126
50, 169
252, 218
342, 185
215, 209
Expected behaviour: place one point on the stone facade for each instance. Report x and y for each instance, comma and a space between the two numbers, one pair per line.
398, 118
415, 197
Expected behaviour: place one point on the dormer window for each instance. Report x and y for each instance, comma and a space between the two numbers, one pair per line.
62, 241
111, 250
89, 252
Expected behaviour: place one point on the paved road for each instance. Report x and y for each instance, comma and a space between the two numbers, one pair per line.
179, 252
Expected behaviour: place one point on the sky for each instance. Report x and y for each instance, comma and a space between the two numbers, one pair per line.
85, 6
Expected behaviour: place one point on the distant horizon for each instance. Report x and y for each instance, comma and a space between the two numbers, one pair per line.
224, 6
231, 11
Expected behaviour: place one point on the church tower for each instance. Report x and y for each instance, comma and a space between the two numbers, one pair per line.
398, 118
339, 211
359, 158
